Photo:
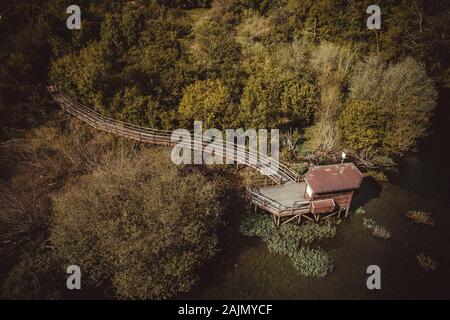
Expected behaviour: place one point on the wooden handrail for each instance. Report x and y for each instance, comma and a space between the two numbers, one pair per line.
155, 136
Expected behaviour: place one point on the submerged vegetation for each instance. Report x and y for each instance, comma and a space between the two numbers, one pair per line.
293, 240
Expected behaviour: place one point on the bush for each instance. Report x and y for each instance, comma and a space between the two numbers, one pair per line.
138, 223
360, 211
38, 275
426, 262
420, 217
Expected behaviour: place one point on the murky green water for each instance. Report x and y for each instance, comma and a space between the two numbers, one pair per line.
247, 270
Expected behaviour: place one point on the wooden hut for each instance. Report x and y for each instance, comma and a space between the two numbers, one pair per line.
331, 188
323, 192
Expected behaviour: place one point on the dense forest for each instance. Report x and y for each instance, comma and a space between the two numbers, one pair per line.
140, 226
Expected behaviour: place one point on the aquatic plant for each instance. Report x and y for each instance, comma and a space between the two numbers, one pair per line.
286, 240
312, 262
360, 211
426, 262
311, 231
378, 231
420, 217
369, 223
381, 232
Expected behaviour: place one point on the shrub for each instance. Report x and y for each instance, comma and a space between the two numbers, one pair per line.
360, 211
426, 262
139, 223
38, 275
420, 217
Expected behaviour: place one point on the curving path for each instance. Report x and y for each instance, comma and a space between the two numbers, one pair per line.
284, 174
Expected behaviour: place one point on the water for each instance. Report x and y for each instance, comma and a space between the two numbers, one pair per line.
245, 269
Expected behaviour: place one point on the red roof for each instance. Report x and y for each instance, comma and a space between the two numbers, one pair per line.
332, 178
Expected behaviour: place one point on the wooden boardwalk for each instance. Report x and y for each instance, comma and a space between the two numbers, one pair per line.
281, 193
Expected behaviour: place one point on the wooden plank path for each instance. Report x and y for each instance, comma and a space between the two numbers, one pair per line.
280, 193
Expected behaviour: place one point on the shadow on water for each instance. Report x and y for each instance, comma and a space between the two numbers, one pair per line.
369, 190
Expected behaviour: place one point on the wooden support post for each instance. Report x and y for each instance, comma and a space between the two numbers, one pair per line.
299, 218
278, 221
256, 208
346, 212
339, 214
290, 219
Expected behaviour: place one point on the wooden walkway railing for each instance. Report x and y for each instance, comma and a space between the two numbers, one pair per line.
248, 157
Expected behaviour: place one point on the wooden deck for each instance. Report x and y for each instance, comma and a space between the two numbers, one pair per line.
285, 194
287, 202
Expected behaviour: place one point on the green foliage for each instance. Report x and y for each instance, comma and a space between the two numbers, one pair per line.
362, 126
90, 77
272, 99
214, 52
146, 227
311, 232
209, 101
369, 223
360, 211
129, 105
286, 240
312, 262
390, 107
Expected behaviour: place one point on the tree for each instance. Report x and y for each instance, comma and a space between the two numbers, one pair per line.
89, 74
129, 105
214, 51
208, 101
363, 128
403, 93
139, 224
272, 98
